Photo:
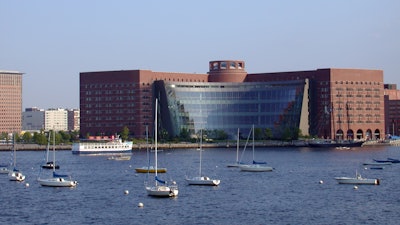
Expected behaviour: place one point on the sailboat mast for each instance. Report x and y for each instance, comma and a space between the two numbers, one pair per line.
237, 147
201, 143
47, 149
14, 151
54, 151
201, 137
155, 138
147, 146
253, 141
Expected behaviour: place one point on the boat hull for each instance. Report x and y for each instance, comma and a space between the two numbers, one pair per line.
120, 158
234, 165
335, 144
112, 147
150, 170
377, 163
57, 182
203, 181
256, 168
4, 170
50, 165
162, 191
354, 180
16, 176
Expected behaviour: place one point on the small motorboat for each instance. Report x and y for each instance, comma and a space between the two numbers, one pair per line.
357, 180
377, 163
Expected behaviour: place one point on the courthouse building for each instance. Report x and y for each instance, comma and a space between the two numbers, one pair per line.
328, 103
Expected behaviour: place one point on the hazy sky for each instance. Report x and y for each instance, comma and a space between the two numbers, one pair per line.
53, 41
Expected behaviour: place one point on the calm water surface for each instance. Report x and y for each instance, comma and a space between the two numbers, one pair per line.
291, 194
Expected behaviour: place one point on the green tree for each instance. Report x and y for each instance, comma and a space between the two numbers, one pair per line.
65, 137
27, 137
184, 135
268, 134
39, 138
258, 134
125, 133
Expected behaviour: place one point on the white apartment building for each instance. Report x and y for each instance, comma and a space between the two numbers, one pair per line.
56, 119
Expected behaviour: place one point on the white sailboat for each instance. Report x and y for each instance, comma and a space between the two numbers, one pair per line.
160, 187
57, 180
202, 180
237, 163
49, 164
255, 166
14, 174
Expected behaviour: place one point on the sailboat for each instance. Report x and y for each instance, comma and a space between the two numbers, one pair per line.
14, 174
49, 164
149, 169
160, 187
4, 169
57, 180
256, 166
237, 163
202, 180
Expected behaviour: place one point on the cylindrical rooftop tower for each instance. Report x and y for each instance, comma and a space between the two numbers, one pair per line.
226, 71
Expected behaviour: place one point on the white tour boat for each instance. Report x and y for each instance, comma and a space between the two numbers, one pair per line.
102, 145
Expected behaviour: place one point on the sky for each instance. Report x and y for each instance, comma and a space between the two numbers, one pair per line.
51, 42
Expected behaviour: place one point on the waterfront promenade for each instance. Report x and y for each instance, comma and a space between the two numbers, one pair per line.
227, 144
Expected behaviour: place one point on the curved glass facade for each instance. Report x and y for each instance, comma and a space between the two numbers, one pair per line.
229, 106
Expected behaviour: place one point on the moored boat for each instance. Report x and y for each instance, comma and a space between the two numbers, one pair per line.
150, 169
4, 169
377, 163
203, 180
357, 180
334, 144
160, 188
388, 160
256, 168
58, 181
120, 158
103, 145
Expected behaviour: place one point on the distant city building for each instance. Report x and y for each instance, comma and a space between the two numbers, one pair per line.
392, 109
56, 119
33, 119
10, 101
328, 103
73, 119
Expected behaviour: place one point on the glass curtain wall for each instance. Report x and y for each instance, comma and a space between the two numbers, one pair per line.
225, 107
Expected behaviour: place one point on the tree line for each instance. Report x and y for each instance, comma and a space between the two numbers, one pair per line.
41, 137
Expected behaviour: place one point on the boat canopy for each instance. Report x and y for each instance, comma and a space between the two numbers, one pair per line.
161, 181
254, 162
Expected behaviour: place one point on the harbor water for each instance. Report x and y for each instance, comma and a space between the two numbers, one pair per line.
300, 190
